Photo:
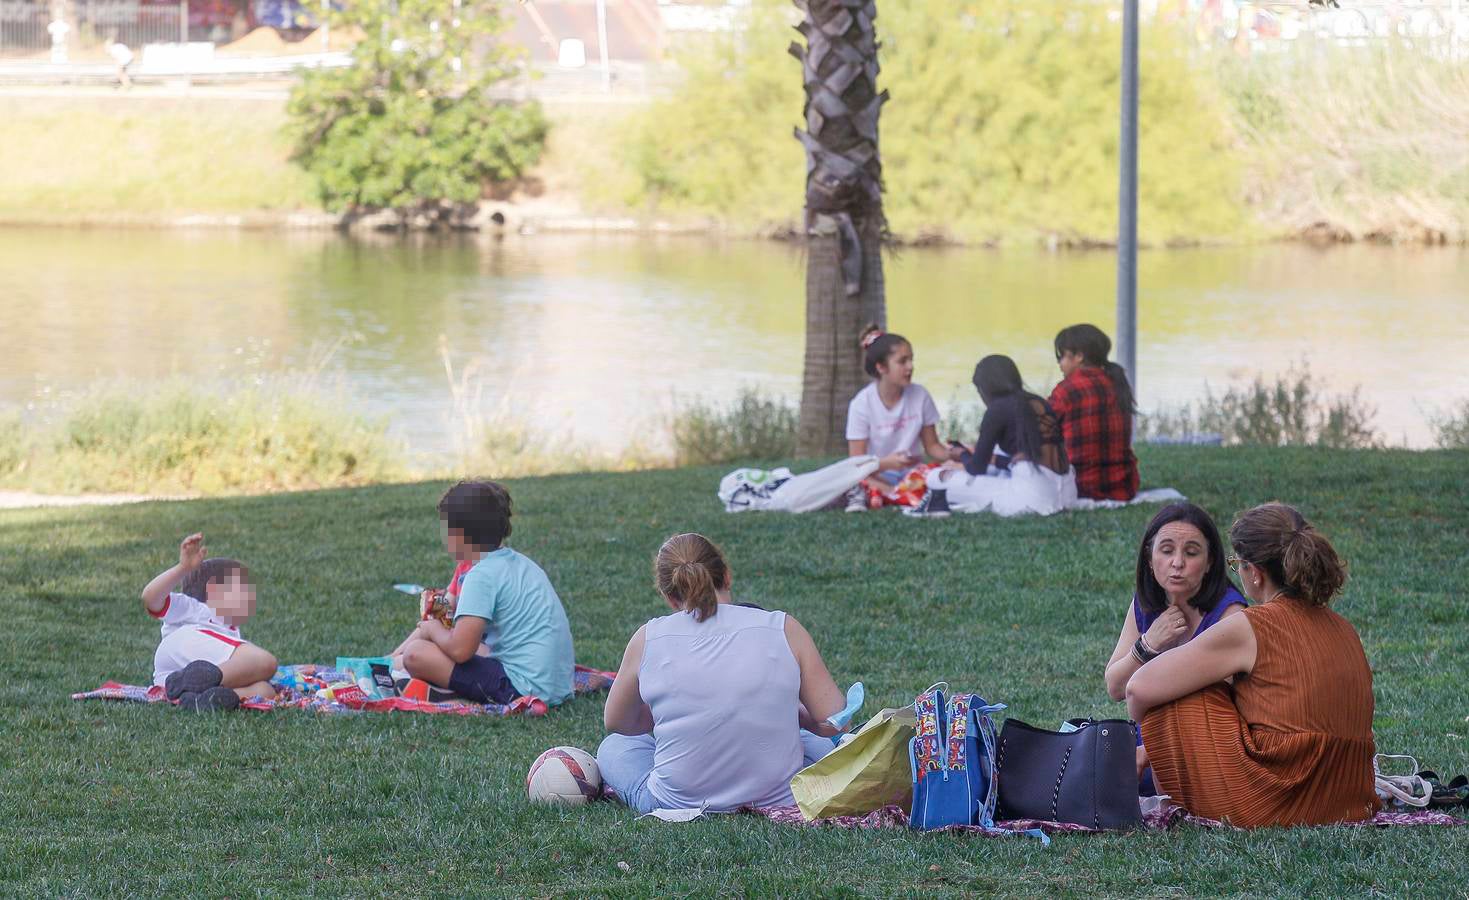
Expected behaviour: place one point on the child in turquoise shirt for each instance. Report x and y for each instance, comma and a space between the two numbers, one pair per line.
510, 636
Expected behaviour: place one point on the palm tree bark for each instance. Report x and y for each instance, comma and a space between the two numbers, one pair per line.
845, 226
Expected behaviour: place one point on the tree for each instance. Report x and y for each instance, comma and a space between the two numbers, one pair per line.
844, 221
410, 125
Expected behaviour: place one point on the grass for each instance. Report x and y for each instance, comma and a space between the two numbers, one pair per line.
123, 800
163, 156
171, 156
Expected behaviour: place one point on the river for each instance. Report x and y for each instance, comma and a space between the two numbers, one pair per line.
595, 339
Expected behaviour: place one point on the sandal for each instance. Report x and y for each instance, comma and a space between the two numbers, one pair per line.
1454, 793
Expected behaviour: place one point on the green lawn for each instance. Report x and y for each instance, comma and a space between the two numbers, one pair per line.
101, 799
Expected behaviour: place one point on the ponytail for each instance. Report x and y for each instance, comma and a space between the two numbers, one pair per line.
1313, 570
689, 571
876, 347
1299, 559
1121, 387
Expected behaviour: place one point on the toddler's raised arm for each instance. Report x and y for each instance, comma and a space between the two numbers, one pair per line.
191, 553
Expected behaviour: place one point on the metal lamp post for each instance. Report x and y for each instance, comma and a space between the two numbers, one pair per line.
1127, 201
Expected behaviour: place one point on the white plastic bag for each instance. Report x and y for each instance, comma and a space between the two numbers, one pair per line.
745, 489
778, 489
820, 489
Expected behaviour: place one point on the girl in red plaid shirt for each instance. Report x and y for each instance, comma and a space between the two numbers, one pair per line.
1095, 405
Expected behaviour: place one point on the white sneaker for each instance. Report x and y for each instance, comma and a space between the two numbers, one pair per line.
857, 499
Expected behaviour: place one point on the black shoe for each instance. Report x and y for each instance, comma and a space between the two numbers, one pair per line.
938, 502
437, 694
197, 677
215, 699
934, 505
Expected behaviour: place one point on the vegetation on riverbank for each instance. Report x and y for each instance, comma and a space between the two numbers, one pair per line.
291, 432
146, 159
127, 800
407, 127
1002, 128
1291, 410
1353, 143
180, 437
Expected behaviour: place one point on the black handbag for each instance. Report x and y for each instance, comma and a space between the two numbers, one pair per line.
1086, 777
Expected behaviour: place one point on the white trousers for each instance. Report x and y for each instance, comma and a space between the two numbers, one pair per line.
1027, 488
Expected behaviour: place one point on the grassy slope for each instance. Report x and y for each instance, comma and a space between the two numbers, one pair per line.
69, 158
114, 799
217, 155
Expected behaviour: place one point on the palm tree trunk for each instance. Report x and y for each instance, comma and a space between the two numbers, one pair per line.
834, 322
845, 226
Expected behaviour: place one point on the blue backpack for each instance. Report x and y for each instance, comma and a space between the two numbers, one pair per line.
953, 760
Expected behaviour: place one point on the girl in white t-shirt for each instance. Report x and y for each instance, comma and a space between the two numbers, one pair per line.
892, 418
202, 661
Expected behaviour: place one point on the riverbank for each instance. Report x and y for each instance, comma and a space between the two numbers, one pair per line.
334, 804
218, 159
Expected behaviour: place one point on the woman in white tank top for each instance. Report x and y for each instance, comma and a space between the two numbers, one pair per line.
715, 706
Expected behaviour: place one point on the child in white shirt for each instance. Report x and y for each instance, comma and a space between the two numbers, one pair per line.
891, 418
202, 661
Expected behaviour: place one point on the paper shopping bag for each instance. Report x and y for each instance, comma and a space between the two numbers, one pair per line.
865, 773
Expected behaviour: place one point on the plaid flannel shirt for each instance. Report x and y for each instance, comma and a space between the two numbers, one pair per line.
1098, 435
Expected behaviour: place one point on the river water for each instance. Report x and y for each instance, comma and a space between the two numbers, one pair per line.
596, 339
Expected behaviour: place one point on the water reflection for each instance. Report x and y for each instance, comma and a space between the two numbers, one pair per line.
596, 336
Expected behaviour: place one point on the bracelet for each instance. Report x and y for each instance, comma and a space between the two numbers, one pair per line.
1142, 652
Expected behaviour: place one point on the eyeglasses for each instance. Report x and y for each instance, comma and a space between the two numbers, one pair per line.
1235, 563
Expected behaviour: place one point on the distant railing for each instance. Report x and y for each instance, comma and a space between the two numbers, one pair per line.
1434, 26
26, 28
23, 27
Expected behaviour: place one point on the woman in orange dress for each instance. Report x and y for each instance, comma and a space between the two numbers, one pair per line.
1288, 740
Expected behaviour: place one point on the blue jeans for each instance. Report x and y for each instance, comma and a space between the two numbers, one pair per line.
626, 761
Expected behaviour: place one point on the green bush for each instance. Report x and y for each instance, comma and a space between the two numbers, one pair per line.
1450, 427
1003, 124
409, 126
12, 442
754, 428
1291, 410
177, 437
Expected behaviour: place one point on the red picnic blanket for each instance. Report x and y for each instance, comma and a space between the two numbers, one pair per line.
584, 680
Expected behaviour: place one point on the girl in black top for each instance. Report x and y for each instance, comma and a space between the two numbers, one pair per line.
1019, 423
1032, 475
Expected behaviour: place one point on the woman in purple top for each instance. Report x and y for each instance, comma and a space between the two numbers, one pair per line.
1182, 588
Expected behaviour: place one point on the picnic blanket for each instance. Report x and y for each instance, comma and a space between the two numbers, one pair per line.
1158, 814
1153, 495
307, 676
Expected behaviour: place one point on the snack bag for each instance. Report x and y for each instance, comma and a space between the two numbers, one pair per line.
345, 693
437, 607
371, 674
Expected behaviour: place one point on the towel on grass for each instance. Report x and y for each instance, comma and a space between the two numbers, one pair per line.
584, 680
1153, 495
1158, 814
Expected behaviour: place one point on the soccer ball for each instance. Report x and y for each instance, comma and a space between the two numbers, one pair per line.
563, 775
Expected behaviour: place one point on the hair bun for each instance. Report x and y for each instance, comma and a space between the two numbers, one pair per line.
872, 336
